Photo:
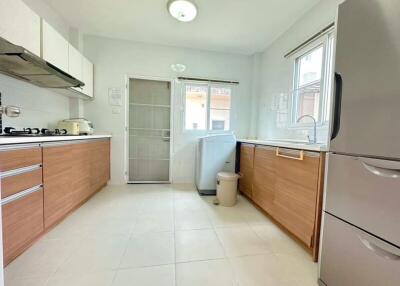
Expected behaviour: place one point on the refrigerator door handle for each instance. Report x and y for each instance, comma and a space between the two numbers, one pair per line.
337, 105
386, 169
378, 247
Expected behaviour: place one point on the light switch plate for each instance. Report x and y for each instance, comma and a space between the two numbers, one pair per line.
116, 110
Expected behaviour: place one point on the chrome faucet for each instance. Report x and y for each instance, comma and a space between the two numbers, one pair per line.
314, 140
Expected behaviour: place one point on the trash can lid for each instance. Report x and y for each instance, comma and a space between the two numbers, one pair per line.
226, 176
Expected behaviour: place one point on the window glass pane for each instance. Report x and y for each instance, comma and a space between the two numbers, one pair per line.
196, 107
220, 105
310, 67
308, 100
220, 98
219, 119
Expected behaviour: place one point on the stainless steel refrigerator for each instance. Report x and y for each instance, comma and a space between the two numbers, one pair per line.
361, 229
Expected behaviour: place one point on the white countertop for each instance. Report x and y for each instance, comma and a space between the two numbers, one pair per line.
287, 144
18, 140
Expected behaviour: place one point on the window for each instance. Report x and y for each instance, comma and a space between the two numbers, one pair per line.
196, 107
207, 107
312, 82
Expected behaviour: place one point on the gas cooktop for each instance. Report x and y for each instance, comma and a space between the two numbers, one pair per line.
34, 132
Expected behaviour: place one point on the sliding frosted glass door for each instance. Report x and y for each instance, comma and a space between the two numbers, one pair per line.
149, 131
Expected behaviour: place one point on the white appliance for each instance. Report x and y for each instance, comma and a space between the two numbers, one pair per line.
215, 153
361, 233
84, 126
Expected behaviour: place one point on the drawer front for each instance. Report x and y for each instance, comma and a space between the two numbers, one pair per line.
351, 257
19, 158
366, 193
13, 184
22, 224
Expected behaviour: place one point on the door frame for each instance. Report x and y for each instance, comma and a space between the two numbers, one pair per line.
126, 131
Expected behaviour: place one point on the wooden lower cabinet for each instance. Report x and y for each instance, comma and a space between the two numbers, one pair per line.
288, 184
22, 224
246, 169
72, 172
100, 164
264, 178
20, 157
58, 182
41, 185
296, 191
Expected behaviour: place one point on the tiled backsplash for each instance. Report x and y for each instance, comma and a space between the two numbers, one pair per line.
40, 107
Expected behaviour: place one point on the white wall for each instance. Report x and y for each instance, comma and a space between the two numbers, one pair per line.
40, 107
114, 59
276, 71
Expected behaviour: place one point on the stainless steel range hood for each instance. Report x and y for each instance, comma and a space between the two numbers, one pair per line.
18, 62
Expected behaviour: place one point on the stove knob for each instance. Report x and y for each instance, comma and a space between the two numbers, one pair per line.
35, 131
28, 130
44, 130
63, 131
57, 131
8, 130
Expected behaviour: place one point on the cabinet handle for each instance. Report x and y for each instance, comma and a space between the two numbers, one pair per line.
378, 247
386, 169
299, 158
19, 171
20, 195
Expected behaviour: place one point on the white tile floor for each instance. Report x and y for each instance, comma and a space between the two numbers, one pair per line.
163, 235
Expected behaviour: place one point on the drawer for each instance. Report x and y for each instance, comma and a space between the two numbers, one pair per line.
11, 159
351, 257
22, 221
366, 193
19, 180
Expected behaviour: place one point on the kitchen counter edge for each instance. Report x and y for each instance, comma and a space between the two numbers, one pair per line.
289, 145
42, 139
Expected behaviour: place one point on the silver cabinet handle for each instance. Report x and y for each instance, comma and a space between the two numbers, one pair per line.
379, 247
20, 195
298, 158
381, 168
19, 171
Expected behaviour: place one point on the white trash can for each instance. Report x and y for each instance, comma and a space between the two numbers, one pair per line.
227, 188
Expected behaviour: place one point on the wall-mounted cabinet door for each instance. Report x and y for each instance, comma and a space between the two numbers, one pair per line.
87, 77
20, 25
75, 62
54, 47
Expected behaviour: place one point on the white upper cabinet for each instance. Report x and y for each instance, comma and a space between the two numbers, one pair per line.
75, 62
54, 47
20, 25
88, 77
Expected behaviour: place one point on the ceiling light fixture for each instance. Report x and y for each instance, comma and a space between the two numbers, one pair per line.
182, 10
178, 68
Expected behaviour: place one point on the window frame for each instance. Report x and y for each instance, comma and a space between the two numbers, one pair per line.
208, 107
327, 42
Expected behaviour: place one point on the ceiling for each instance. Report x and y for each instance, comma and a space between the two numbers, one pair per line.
237, 26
